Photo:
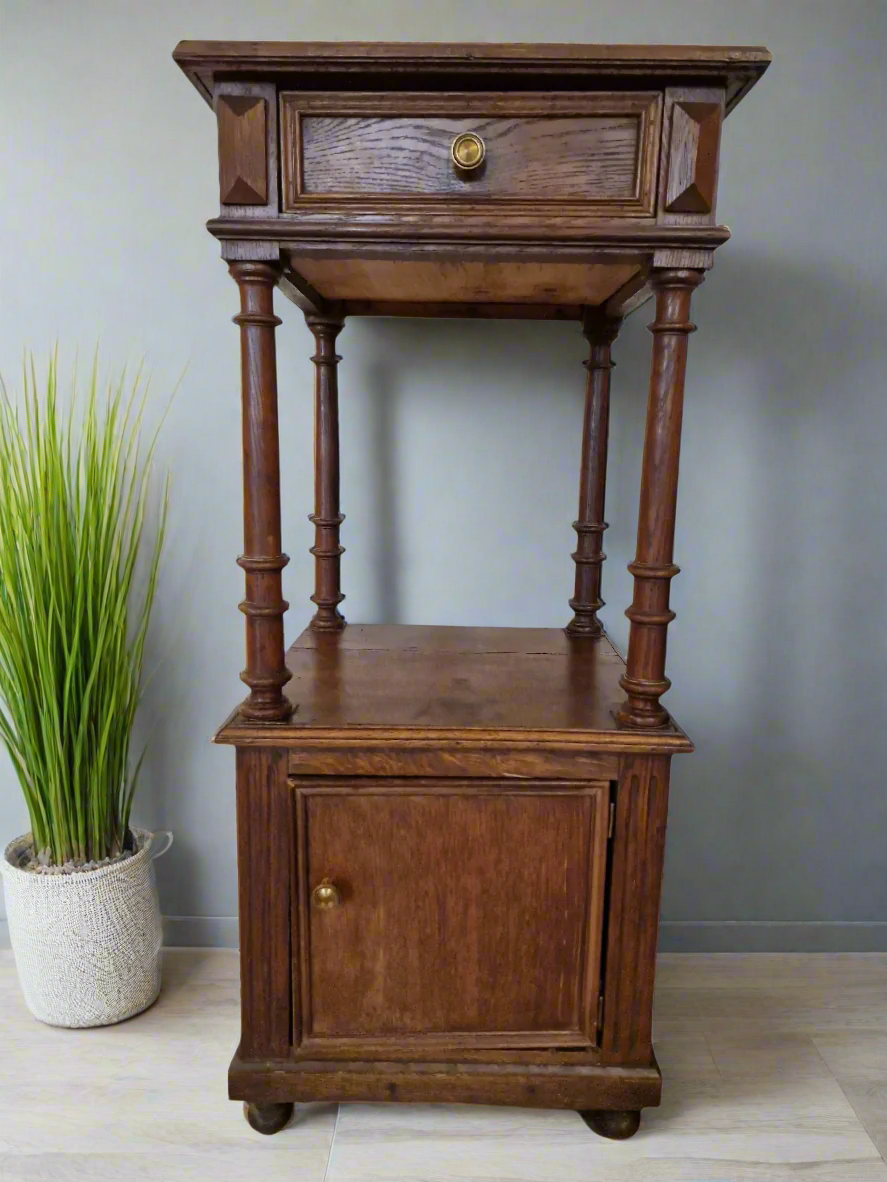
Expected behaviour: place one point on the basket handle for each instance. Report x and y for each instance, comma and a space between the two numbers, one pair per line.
160, 843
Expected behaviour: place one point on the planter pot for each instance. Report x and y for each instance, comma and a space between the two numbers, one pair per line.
86, 945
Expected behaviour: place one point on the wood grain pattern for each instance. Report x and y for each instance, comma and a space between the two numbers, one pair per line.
644, 681
415, 281
693, 157
379, 65
460, 310
581, 158
500, 691
374, 157
265, 94
680, 143
243, 169
265, 827
681, 258
432, 678
471, 232
424, 871
556, 1086
633, 910
327, 517
600, 332
408, 759
300, 292
262, 560
629, 297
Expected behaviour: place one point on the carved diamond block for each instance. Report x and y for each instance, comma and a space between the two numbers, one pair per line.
693, 157
243, 168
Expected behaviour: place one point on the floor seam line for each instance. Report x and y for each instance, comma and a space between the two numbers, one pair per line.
859, 1119
721, 1075
825, 1063
329, 1156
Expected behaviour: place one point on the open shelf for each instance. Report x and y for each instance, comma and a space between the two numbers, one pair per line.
391, 683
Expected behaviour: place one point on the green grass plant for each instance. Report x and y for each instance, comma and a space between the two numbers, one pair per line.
78, 574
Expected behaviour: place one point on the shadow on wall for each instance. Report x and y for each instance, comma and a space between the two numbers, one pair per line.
381, 394
471, 433
462, 485
778, 643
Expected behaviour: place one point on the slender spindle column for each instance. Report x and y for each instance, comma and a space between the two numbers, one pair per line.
644, 681
600, 332
326, 516
262, 560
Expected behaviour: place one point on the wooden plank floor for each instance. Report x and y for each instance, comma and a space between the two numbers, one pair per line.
775, 1068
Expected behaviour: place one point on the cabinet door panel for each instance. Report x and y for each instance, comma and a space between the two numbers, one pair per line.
462, 913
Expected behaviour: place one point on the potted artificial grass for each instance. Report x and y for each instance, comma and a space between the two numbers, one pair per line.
78, 576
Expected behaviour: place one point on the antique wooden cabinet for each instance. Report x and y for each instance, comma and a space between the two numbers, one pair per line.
450, 840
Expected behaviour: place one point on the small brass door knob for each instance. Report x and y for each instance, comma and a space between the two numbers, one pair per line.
468, 151
326, 895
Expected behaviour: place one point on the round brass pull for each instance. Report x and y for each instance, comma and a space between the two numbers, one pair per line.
326, 895
468, 151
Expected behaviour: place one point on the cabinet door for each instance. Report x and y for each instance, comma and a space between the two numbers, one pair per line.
462, 915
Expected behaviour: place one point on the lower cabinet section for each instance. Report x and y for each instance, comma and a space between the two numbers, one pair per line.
442, 914
481, 941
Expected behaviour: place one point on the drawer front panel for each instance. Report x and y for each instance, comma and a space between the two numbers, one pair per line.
597, 151
458, 916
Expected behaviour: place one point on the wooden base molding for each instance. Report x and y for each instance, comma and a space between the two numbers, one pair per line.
555, 1086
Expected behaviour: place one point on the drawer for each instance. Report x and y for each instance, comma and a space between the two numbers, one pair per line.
595, 151
455, 915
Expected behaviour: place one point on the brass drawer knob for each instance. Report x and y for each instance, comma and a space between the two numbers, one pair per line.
468, 151
326, 895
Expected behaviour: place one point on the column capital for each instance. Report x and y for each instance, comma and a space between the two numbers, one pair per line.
255, 271
661, 277
331, 321
598, 328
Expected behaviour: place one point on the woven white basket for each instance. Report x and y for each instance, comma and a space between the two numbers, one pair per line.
86, 945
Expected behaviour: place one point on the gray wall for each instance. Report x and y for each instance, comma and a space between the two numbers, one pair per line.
778, 653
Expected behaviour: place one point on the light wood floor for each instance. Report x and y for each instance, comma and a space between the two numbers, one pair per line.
775, 1068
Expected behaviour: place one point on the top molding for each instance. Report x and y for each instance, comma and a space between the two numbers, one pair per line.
380, 65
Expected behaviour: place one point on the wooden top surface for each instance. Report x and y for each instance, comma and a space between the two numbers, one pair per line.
391, 682
384, 64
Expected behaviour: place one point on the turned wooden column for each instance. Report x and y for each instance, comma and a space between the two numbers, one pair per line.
644, 680
264, 605
326, 516
600, 332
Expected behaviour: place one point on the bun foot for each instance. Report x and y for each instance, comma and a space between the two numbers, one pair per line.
618, 1126
268, 1118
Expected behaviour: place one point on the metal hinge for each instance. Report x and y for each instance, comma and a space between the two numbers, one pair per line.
600, 1012
612, 824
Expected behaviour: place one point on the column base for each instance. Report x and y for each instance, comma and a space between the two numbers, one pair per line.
642, 709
